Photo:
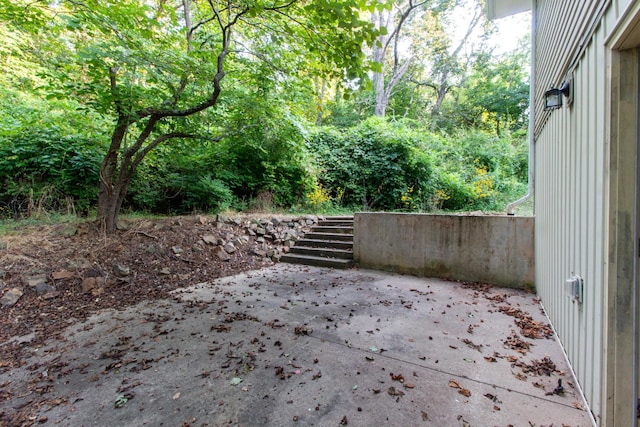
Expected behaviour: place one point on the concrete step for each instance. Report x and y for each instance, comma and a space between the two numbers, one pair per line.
322, 252
316, 261
335, 244
336, 222
341, 229
330, 236
339, 218
328, 244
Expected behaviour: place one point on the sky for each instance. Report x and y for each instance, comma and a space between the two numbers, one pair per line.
510, 30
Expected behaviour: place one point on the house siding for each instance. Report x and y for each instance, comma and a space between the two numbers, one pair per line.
571, 169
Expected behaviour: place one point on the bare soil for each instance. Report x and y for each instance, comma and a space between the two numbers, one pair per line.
87, 271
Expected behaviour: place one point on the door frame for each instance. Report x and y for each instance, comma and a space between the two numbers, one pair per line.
621, 353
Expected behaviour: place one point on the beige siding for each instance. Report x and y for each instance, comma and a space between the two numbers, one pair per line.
571, 180
563, 29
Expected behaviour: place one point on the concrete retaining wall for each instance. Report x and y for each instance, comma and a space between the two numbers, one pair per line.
489, 249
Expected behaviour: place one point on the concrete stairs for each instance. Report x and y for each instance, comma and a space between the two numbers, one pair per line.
328, 244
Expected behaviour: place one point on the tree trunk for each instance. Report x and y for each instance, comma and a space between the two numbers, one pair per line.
108, 207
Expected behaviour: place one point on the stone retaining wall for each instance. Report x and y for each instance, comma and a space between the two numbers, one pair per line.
475, 248
273, 235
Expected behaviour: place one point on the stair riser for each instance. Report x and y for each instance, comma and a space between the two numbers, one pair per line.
336, 224
338, 230
321, 252
324, 244
329, 236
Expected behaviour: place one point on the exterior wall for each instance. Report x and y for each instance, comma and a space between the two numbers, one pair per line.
489, 249
572, 158
563, 29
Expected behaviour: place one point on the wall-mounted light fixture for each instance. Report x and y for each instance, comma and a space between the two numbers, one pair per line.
553, 97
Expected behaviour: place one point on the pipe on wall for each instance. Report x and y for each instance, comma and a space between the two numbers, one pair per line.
530, 130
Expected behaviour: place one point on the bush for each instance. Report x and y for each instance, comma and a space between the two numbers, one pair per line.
372, 165
48, 166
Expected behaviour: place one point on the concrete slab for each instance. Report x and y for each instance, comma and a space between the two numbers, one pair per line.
296, 345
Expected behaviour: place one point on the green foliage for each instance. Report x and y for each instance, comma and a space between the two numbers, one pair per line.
371, 165
48, 168
479, 171
255, 147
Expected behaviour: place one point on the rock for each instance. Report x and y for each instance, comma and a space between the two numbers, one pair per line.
177, 250
43, 288
222, 255
276, 221
260, 239
289, 243
151, 249
69, 230
210, 239
276, 257
78, 264
121, 225
165, 271
259, 252
62, 275
260, 231
11, 297
120, 270
230, 248
51, 295
91, 283
34, 281
202, 219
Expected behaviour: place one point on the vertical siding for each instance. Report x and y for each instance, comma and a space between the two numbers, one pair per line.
571, 180
563, 28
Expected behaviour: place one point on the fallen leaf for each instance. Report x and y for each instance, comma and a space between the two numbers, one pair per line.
120, 401
464, 391
521, 377
58, 275
176, 396
409, 385
235, 381
454, 384
344, 421
398, 377
425, 416
392, 391
490, 359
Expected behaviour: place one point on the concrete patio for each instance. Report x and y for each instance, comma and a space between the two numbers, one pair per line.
297, 345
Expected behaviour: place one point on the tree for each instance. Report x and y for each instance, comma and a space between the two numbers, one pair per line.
497, 92
392, 23
154, 66
448, 61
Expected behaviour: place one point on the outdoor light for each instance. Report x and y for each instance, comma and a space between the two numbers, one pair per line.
553, 97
